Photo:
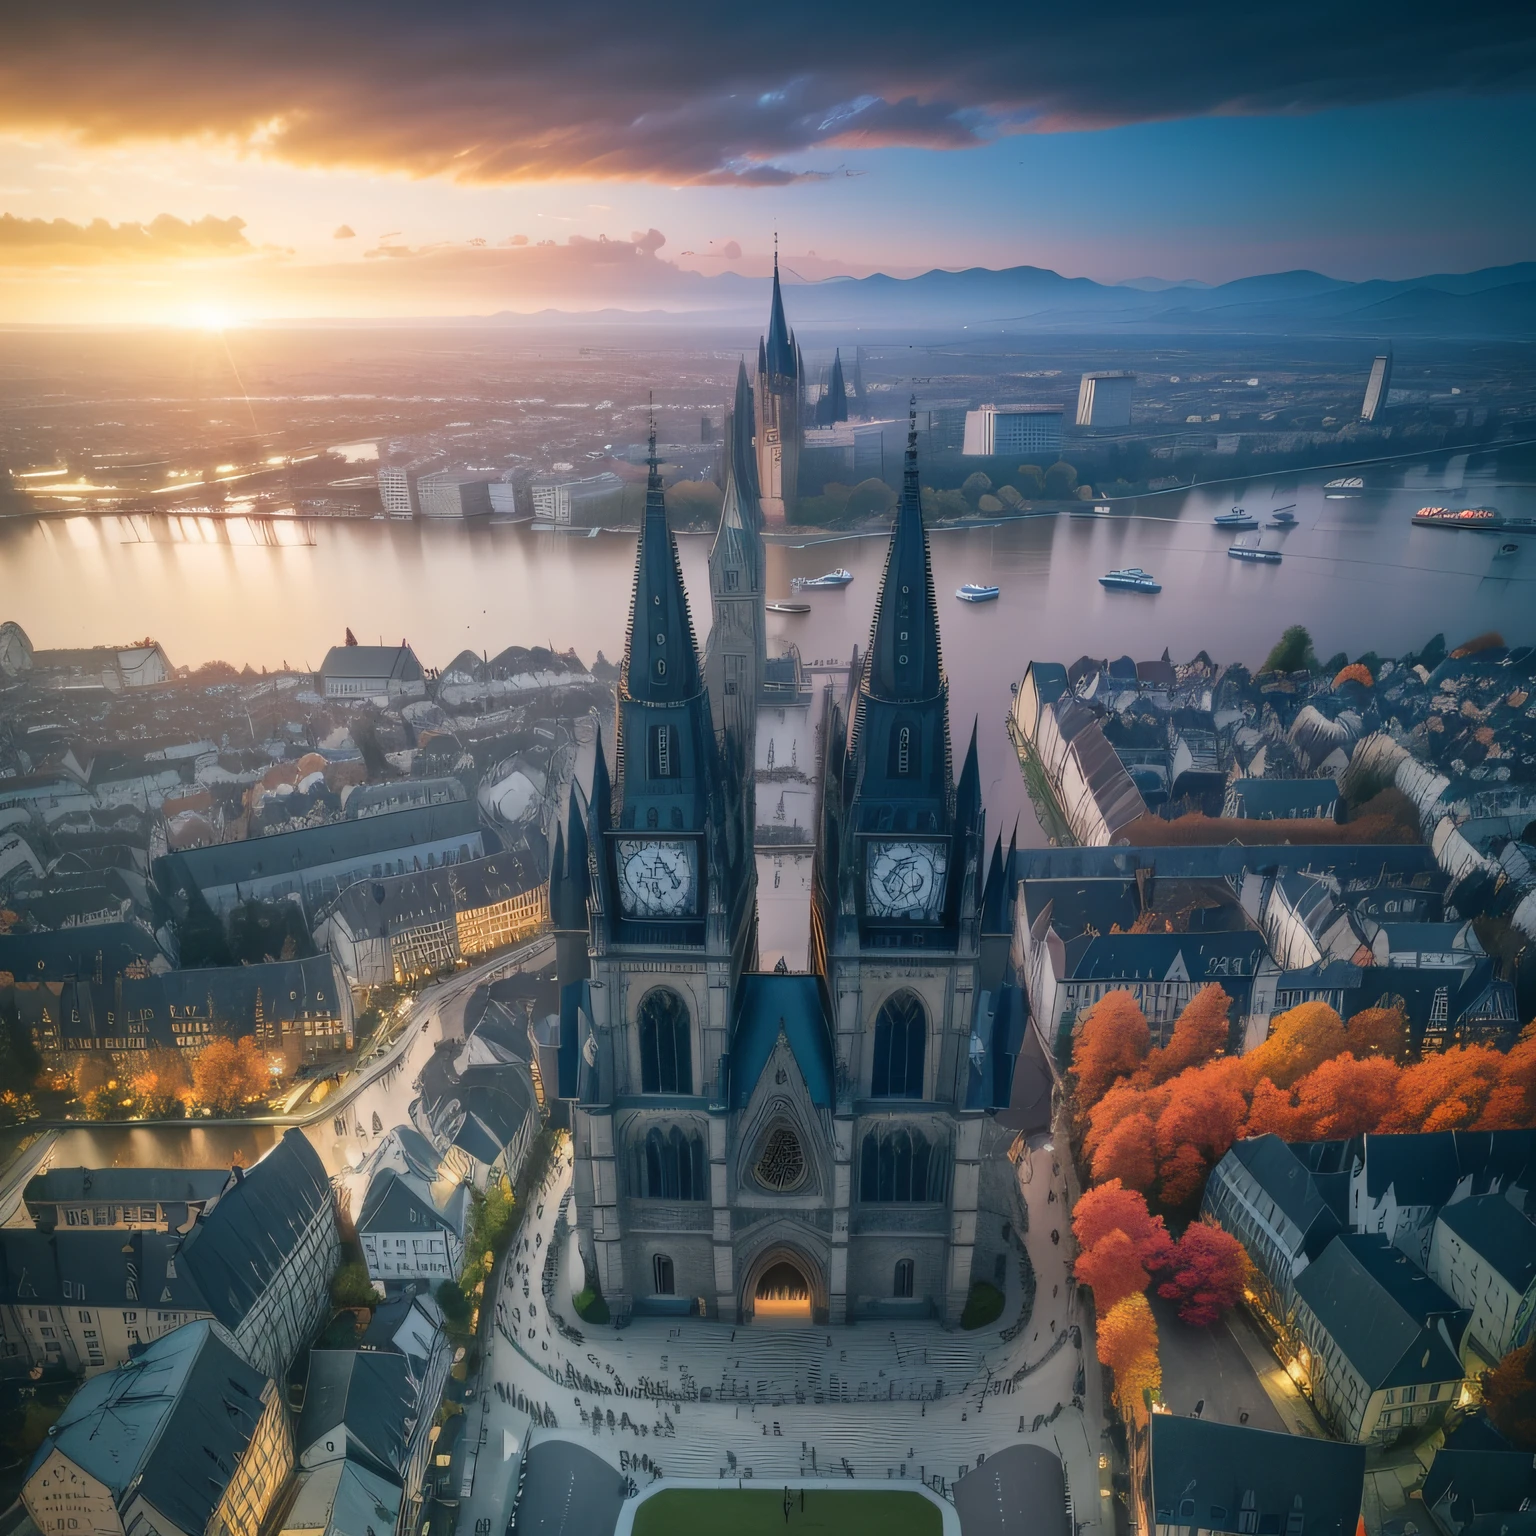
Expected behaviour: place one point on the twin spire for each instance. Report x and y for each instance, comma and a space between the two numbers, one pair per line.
780, 356
661, 660
905, 663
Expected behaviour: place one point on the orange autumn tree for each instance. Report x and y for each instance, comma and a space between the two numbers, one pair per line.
1111, 1041
1128, 1153
1120, 1242
1446, 1090
1512, 1104
1127, 1344
229, 1074
1199, 1034
161, 1083
1208, 1273
1509, 1391
1111, 1269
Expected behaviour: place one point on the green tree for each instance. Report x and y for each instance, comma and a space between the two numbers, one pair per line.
1292, 653
351, 1287
869, 498
1060, 480
975, 487
944, 503
455, 1305
1031, 481
19, 1060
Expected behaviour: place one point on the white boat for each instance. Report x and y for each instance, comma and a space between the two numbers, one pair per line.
789, 607
1347, 485
1236, 518
1283, 517
1254, 552
1131, 578
838, 578
972, 592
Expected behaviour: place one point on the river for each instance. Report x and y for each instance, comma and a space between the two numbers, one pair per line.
1355, 573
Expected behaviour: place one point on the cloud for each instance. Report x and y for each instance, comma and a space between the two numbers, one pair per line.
688, 94
58, 242
344, 232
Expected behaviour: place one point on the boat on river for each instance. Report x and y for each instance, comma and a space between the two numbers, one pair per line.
789, 607
1131, 578
1283, 517
838, 578
1473, 519
1236, 518
1343, 488
1255, 553
974, 592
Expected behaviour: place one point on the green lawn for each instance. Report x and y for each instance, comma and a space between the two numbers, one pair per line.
760, 1512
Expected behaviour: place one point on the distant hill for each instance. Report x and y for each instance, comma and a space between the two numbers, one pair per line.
1494, 302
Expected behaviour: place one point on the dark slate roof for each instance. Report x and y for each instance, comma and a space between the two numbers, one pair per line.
395, 903
239, 1245
336, 842
1284, 799
1480, 1482
1286, 1180
369, 1393
1364, 863
1380, 1308
479, 1110
102, 1267
1078, 905
106, 950
344, 1499
1419, 1168
166, 1186
366, 661
765, 1003
1216, 1465
393, 1205
175, 1421
1494, 1229
1150, 956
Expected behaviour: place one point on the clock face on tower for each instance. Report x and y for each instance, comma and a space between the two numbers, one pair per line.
657, 877
905, 879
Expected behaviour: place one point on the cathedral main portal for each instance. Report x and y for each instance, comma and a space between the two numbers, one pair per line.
783, 1291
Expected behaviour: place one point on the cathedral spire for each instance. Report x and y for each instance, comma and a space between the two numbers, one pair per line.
661, 663
781, 352
742, 458
905, 663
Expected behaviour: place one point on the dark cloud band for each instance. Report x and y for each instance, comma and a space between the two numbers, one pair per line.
690, 92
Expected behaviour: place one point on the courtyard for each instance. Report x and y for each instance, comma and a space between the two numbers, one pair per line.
767, 1511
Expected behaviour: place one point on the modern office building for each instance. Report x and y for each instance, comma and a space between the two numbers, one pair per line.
1378, 387
451, 496
397, 491
1104, 399
1012, 429
576, 503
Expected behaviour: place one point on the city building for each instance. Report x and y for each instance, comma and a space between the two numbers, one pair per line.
263, 1256
401, 927
778, 403
1482, 1253
453, 495
115, 668
1478, 1483
1268, 1199
504, 501
411, 1224
1104, 399
1012, 429
84, 1301
1376, 1341
121, 1457
372, 672
582, 503
124, 1199
753, 1143
1378, 387
317, 863
1229, 1480
341, 1498
397, 491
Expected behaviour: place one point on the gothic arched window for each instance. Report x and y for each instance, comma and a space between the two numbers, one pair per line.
906, 1273
671, 1166
899, 1166
662, 1280
666, 1065
905, 755
901, 1034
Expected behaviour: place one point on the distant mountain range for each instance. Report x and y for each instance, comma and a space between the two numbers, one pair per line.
1495, 302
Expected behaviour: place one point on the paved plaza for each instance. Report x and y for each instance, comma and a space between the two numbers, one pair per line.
702, 1400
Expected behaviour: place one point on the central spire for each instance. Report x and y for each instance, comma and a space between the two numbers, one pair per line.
904, 660
661, 663
782, 356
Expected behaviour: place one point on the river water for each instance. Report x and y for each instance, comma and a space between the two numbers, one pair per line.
1355, 573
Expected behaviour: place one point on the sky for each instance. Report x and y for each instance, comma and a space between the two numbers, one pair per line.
172, 162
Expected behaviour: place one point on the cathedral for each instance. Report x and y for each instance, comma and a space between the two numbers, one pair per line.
819, 1144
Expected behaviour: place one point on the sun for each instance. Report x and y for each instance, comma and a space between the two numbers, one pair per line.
210, 317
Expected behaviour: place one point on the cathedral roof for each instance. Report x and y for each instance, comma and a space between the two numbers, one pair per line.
767, 1003
743, 457
661, 662
905, 664
740, 512
782, 354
